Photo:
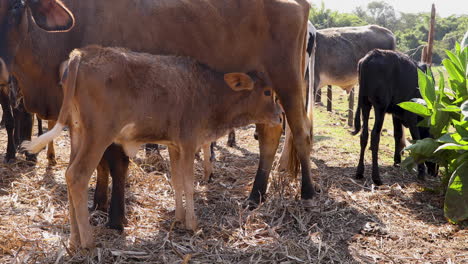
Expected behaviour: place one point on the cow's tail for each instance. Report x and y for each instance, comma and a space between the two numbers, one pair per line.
69, 86
357, 117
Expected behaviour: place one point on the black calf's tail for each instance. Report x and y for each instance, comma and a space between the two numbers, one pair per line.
357, 117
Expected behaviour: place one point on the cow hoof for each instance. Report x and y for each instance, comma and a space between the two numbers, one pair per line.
310, 203
396, 165
359, 176
9, 160
210, 178
256, 135
116, 226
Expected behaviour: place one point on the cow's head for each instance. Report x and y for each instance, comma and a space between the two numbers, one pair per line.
49, 15
259, 101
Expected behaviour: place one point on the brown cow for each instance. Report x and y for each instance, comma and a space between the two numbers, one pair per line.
112, 95
227, 35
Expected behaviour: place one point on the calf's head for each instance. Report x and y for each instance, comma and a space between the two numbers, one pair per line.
258, 98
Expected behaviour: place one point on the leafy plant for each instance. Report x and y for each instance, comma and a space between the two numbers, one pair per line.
445, 112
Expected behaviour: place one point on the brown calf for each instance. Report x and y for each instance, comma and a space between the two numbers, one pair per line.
112, 95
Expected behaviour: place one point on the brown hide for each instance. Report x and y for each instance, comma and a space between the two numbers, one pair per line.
227, 35
113, 95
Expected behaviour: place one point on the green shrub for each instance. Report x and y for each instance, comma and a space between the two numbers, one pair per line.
446, 114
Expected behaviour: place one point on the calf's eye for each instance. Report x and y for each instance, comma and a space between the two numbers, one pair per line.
267, 93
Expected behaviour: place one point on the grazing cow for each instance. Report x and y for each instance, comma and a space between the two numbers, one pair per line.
248, 36
340, 49
387, 78
337, 53
112, 95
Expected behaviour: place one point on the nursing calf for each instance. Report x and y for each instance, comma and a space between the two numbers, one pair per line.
387, 78
112, 95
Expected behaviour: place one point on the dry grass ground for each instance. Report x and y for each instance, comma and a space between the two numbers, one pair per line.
353, 222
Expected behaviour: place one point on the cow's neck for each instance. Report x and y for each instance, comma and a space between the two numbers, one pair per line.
35, 65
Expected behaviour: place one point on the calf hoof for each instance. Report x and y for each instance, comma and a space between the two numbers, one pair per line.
396, 165
31, 157
231, 143
51, 159
208, 179
191, 225
359, 175
421, 176
310, 203
377, 182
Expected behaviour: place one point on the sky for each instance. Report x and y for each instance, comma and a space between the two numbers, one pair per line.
444, 8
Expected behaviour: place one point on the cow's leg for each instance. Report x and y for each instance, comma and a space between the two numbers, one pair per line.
118, 165
398, 136
9, 125
365, 110
351, 106
50, 146
213, 155
416, 136
177, 183
40, 131
375, 140
77, 177
231, 139
102, 186
207, 166
25, 121
186, 173
329, 98
151, 149
268, 138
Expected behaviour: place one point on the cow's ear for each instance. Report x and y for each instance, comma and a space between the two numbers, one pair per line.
51, 15
239, 81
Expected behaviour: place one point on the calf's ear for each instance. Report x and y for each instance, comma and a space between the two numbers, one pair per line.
239, 81
51, 15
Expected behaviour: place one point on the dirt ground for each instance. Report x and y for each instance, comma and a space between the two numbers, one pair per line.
400, 222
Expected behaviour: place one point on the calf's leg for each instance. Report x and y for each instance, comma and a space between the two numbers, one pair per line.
207, 166
50, 146
365, 111
186, 173
82, 164
398, 136
268, 138
177, 183
231, 138
375, 140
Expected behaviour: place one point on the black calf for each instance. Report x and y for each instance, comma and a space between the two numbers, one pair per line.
387, 78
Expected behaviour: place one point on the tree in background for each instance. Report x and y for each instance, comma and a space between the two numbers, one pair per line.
410, 29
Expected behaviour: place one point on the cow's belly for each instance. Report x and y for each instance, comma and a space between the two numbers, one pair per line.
345, 81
